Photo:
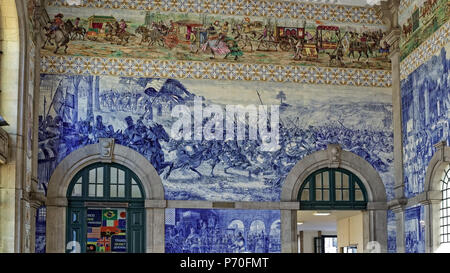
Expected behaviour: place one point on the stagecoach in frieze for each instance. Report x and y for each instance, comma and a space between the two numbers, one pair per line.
98, 27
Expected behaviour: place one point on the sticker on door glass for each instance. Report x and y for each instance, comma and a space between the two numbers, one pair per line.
106, 230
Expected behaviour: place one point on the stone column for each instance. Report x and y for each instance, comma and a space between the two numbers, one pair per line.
155, 225
289, 231
38, 197
389, 11
399, 187
56, 220
159, 230
432, 222
400, 227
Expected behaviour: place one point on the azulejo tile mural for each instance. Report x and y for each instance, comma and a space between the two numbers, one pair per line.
392, 232
205, 36
419, 21
415, 230
425, 51
222, 231
425, 117
138, 113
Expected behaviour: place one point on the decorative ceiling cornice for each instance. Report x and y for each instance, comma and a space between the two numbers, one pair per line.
251, 8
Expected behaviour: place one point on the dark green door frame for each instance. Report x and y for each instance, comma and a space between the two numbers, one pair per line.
80, 199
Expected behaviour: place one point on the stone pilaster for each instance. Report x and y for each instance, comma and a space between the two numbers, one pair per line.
389, 12
398, 207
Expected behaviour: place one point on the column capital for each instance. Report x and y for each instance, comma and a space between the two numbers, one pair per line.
388, 11
440, 149
37, 199
397, 205
393, 40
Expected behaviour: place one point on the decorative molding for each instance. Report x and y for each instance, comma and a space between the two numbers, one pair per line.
3, 146
106, 147
128, 67
393, 40
251, 8
388, 12
321, 159
334, 155
425, 51
436, 167
397, 205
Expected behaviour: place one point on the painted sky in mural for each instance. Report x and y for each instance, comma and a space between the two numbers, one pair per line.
220, 38
222, 231
419, 21
426, 116
76, 111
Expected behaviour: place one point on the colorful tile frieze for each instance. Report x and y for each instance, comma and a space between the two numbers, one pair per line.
419, 21
81, 65
209, 37
276, 9
425, 51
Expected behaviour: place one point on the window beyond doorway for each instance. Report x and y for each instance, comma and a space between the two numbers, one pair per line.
106, 210
332, 189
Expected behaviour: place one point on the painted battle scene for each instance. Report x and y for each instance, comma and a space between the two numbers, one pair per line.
419, 21
138, 113
201, 37
222, 231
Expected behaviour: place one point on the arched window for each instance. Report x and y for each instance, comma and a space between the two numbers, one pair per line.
445, 207
106, 210
336, 189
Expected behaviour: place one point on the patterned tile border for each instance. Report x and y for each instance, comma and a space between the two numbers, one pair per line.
127, 67
404, 4
425, 51
257, 8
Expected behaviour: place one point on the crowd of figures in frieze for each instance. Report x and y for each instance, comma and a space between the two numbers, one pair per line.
415, 230
426, 116
137, 112
419, 20
222, 231
210, 37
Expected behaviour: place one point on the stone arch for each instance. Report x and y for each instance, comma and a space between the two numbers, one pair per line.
108, 152
433, 196
375, 217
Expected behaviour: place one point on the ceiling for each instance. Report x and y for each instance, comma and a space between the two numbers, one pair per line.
323, 223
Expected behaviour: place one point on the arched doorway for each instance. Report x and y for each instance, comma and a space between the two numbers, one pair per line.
330, 217
106, 210
364, 193
141, 189
436, 202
